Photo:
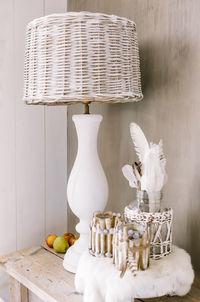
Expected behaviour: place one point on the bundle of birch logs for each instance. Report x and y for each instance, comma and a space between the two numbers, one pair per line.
127, 243
131, 247
101, 234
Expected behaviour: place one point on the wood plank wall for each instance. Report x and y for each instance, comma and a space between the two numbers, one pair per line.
168, 33
33, 141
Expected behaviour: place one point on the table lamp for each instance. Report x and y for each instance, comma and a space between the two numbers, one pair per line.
75, 58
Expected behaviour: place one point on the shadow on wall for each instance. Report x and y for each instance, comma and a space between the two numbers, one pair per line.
163, 63
193, 224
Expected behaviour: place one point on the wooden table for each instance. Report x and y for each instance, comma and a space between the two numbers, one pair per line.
40, 272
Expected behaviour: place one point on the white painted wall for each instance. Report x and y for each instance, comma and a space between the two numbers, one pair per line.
33, 142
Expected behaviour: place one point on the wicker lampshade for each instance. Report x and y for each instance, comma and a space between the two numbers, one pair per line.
81, 57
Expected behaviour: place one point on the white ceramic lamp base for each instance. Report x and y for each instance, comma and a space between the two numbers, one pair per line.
87, 189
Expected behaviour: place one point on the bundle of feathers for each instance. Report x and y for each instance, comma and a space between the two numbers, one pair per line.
149, 174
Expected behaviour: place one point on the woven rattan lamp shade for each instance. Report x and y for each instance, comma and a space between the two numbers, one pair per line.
81, 57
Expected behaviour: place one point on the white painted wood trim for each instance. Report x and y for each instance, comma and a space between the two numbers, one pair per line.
33, 150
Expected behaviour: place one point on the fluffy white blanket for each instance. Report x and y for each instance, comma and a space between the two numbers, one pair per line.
99, 280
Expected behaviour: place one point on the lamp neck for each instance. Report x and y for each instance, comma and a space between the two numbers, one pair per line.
87, 127
87, 109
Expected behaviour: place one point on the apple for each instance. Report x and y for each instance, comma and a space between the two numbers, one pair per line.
50, 240
72, 240
60, 244
68, 236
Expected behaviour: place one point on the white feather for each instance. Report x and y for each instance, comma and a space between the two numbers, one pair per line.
163, 160
127, 171
153, 176
139, 140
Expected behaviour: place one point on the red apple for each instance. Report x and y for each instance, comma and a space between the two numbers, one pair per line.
68, 236
72, 240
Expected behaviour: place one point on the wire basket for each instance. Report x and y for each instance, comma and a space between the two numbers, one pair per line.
160, 224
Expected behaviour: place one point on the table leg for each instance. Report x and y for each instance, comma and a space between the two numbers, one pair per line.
18, 292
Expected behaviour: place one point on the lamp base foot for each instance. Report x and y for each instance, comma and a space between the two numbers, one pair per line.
74, 253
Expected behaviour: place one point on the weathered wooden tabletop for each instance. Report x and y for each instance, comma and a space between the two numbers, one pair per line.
41, 272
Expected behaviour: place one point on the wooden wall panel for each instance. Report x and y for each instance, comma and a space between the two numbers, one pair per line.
56, 153
7, 138
33, 152
30, 143
41, 149
168, 33
7, 131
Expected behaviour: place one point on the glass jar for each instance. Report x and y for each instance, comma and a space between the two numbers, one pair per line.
149, 202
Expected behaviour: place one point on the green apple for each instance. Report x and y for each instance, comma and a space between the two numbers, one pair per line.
60, 244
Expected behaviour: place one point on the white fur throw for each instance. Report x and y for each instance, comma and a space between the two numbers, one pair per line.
99, 280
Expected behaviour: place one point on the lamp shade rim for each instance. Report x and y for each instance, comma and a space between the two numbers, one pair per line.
78, 100
37, 21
